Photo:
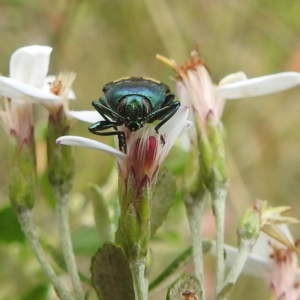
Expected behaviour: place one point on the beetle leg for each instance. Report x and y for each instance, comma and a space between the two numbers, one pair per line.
164, 114
97, 128
106, 111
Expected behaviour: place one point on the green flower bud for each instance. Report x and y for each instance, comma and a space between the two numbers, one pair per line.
249, 225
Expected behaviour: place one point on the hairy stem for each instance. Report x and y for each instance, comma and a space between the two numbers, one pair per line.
194, 213
138, 275
25, 219
237, 267
65, 237
218, 206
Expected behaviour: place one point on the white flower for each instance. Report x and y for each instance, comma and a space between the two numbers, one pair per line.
28, 70
145, 151
196, 89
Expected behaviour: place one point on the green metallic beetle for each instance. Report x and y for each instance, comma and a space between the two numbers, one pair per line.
132, 102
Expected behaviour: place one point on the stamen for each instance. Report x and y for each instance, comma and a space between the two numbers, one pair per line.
169, 62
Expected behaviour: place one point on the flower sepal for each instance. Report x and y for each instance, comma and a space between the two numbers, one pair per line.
212, 154
61, 165
22, 175
134, 229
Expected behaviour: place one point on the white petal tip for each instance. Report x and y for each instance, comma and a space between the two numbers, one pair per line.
188, 124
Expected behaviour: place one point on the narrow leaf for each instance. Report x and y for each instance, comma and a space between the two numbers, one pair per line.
178, 263
38, 292
59, 259
111, 275
225, 291
101, 215
162, 199
176, 266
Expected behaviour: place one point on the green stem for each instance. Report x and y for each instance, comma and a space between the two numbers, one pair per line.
194, 213
138, 275
25, 219
66, 243
240, 260
218, 206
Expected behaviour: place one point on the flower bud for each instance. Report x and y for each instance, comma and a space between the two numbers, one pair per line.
249, 225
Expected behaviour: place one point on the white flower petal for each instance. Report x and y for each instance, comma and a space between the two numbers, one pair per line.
89, 116
235, 77
178, 120
173, 128
71, 95
255, 265
11, 88
259, 86
88, 143
30, 65
262, 247
187, 125
185, 142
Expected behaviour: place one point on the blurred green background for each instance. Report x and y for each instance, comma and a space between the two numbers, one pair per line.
104, 40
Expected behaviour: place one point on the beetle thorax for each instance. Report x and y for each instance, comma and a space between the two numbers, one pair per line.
134, 109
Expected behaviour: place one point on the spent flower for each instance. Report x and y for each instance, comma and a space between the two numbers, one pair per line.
284, 273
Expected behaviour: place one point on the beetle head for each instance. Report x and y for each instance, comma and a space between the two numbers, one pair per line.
134, 108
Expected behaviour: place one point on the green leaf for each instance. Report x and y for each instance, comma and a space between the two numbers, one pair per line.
111, 275
10, 230
86, 241
101, 215
162, 200
185, 285
38, 293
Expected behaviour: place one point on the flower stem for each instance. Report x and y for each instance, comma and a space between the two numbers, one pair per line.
240, 260
218, 206
62, 202
25, 219
194, 213
138, 276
